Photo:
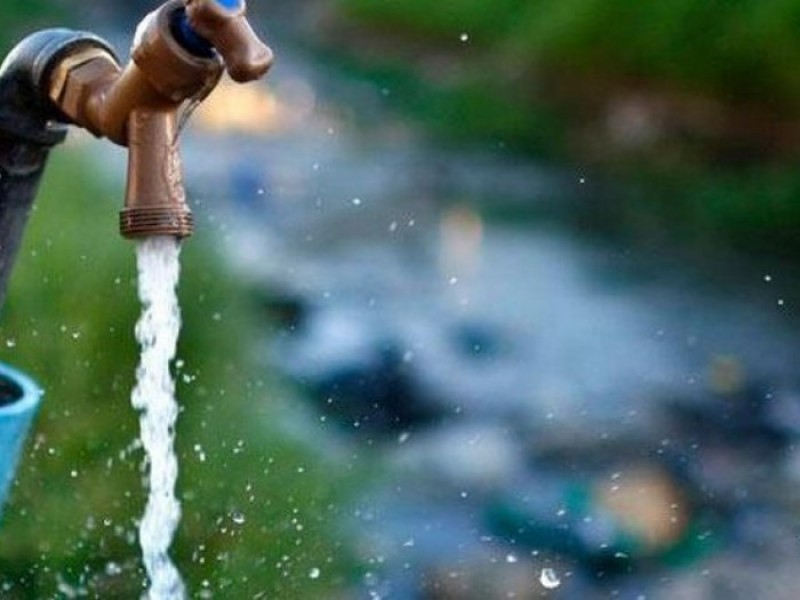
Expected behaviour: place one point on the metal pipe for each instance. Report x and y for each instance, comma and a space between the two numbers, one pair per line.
29, 129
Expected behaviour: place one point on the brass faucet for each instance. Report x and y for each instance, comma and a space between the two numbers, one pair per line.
178, 56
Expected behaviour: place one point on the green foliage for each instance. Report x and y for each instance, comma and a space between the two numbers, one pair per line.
539, 75
70, 315
755, 211
462, 110
483, 20
739, 49
727, 46
19, 16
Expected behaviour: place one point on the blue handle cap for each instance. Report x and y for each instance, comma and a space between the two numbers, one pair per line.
230, 4
187, 37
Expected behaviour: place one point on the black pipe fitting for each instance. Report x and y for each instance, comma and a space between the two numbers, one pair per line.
30, 126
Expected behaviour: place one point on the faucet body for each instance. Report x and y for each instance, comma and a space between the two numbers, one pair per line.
59, 77
138, 106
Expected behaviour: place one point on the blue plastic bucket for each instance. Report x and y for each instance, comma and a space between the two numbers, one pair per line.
19, 399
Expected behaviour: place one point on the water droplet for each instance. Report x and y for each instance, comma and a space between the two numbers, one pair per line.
10, 343
767, 278
201, 455
314, 573
238, 517
464, 37
549, 579
356, 201
511, 558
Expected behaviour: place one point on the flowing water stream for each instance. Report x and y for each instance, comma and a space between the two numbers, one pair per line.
154, 396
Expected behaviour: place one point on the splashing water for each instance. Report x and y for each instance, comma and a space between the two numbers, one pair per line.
549, 579
154, 396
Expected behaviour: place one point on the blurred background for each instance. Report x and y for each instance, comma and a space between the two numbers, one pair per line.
489, 299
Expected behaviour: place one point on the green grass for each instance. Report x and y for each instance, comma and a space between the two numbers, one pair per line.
70, 314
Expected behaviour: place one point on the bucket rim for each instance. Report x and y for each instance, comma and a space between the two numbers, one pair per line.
29, 398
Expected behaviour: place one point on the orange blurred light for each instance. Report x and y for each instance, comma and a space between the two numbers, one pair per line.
255, 109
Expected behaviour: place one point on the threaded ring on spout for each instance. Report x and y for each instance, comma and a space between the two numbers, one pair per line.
148, 221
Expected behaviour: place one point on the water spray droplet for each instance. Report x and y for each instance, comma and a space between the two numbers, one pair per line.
549, 579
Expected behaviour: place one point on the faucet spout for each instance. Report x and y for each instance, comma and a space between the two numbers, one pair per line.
155, 200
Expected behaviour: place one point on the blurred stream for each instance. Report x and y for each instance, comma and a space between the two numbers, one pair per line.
447, 316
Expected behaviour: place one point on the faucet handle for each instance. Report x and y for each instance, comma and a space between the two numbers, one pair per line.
224, 24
